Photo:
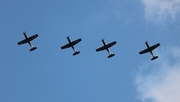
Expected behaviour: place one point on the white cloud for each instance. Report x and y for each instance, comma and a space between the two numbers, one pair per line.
161, 83
160, 10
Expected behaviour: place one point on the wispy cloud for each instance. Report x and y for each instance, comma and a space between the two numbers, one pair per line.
159, 81
161, 10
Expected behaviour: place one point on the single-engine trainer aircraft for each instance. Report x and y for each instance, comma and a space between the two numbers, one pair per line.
28, 40
106, 47
71, 44
150, 49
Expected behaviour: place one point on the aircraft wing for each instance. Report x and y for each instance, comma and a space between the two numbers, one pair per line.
76, 41
149, 49
111, 44
28, 39
71, 44
106, 46
23, 42
144, 51
154, 46
33, 37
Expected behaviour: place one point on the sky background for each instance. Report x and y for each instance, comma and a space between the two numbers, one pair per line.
50, 74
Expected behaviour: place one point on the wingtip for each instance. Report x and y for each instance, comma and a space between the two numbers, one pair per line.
62, 48
80, 39
154, 57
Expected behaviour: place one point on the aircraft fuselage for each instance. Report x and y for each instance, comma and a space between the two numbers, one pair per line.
147, 45
104, 42
69, 40
25, 35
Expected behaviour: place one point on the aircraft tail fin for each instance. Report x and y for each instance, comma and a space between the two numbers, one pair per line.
76, 52
111, 55
154, 57
33, 48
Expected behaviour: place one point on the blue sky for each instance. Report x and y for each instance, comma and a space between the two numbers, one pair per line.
50, 74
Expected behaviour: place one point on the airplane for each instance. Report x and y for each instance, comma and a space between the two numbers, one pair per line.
71, 44
150, 49
106, 47
28, 40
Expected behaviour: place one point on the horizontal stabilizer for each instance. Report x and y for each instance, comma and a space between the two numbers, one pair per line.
33, 48
155, 57
75, 53
111, 55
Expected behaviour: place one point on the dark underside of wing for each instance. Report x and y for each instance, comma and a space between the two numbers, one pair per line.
149, 49
33, 37
71, 44
144, 51
154, 46
106, 46
28, 39
23, 42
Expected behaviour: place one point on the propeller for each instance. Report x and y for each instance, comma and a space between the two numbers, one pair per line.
24, 32
68, 36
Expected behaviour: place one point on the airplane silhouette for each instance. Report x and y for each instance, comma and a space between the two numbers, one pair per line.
71, 44
106, 47
28, 40
150, 49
